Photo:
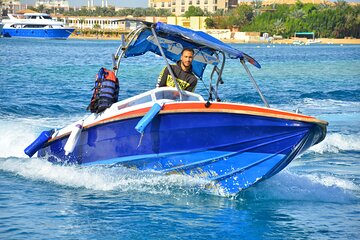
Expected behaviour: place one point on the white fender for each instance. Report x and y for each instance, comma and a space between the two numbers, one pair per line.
73, 138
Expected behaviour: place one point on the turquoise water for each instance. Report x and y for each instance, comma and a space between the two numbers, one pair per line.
47, 84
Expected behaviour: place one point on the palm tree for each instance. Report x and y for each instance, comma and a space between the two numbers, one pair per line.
81, 21
41, 8
257, 4
298, 14
97, 27
279, 27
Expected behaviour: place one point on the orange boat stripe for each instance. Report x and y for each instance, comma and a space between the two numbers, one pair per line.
171, 108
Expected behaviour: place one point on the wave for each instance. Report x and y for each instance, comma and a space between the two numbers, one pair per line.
336, 142
329, 103
326, 109
21, 132
324, 106
343, 95
284, 186
294, 187
101, 178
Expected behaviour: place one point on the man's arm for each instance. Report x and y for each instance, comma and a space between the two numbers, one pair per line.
162, 78
193, 83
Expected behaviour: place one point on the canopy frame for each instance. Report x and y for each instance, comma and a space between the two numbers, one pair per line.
146, 37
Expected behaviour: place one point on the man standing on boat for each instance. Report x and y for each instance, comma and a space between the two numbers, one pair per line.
182, 71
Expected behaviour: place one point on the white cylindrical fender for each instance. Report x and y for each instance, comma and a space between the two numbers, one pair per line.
73, 138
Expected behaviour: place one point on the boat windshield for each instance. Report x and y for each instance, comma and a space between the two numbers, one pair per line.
34, 26
159, 94
38, 17
173, 94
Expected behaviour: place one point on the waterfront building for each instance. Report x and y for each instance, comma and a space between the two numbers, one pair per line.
90, 4
179, 7
289, 2
108, 26
11, 6
53, 4
104, 23
110, 23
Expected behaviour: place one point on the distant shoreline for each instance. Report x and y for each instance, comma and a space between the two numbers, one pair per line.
277, 41
324, 41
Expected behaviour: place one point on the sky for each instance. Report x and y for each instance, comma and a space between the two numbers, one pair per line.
117, 3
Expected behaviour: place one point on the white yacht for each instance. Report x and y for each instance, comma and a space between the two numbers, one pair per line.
35, 25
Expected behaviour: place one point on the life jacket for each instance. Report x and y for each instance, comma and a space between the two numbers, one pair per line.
106, 91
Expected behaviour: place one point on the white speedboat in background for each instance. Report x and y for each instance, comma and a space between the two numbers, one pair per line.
35, 25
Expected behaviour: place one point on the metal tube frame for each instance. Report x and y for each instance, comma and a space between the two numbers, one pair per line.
167, 64
219, 72
219, 80
135, 33
255, 84
123, 49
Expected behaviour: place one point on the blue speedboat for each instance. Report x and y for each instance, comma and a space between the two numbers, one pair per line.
231, 145
35, 25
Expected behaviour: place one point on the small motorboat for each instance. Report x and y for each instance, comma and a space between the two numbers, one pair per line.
313, 41
35, 25
298, 43
231, 145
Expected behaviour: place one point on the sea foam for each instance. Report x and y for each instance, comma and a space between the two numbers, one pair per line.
19, 133
336, 142
321, 108
294, 187
284, 186
102, 178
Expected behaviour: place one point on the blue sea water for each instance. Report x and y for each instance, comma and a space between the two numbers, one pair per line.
47, 84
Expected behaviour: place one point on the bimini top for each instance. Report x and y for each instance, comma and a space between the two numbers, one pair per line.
173, 39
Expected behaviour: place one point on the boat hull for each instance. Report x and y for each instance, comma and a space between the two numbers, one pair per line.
231, 150
47, 33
